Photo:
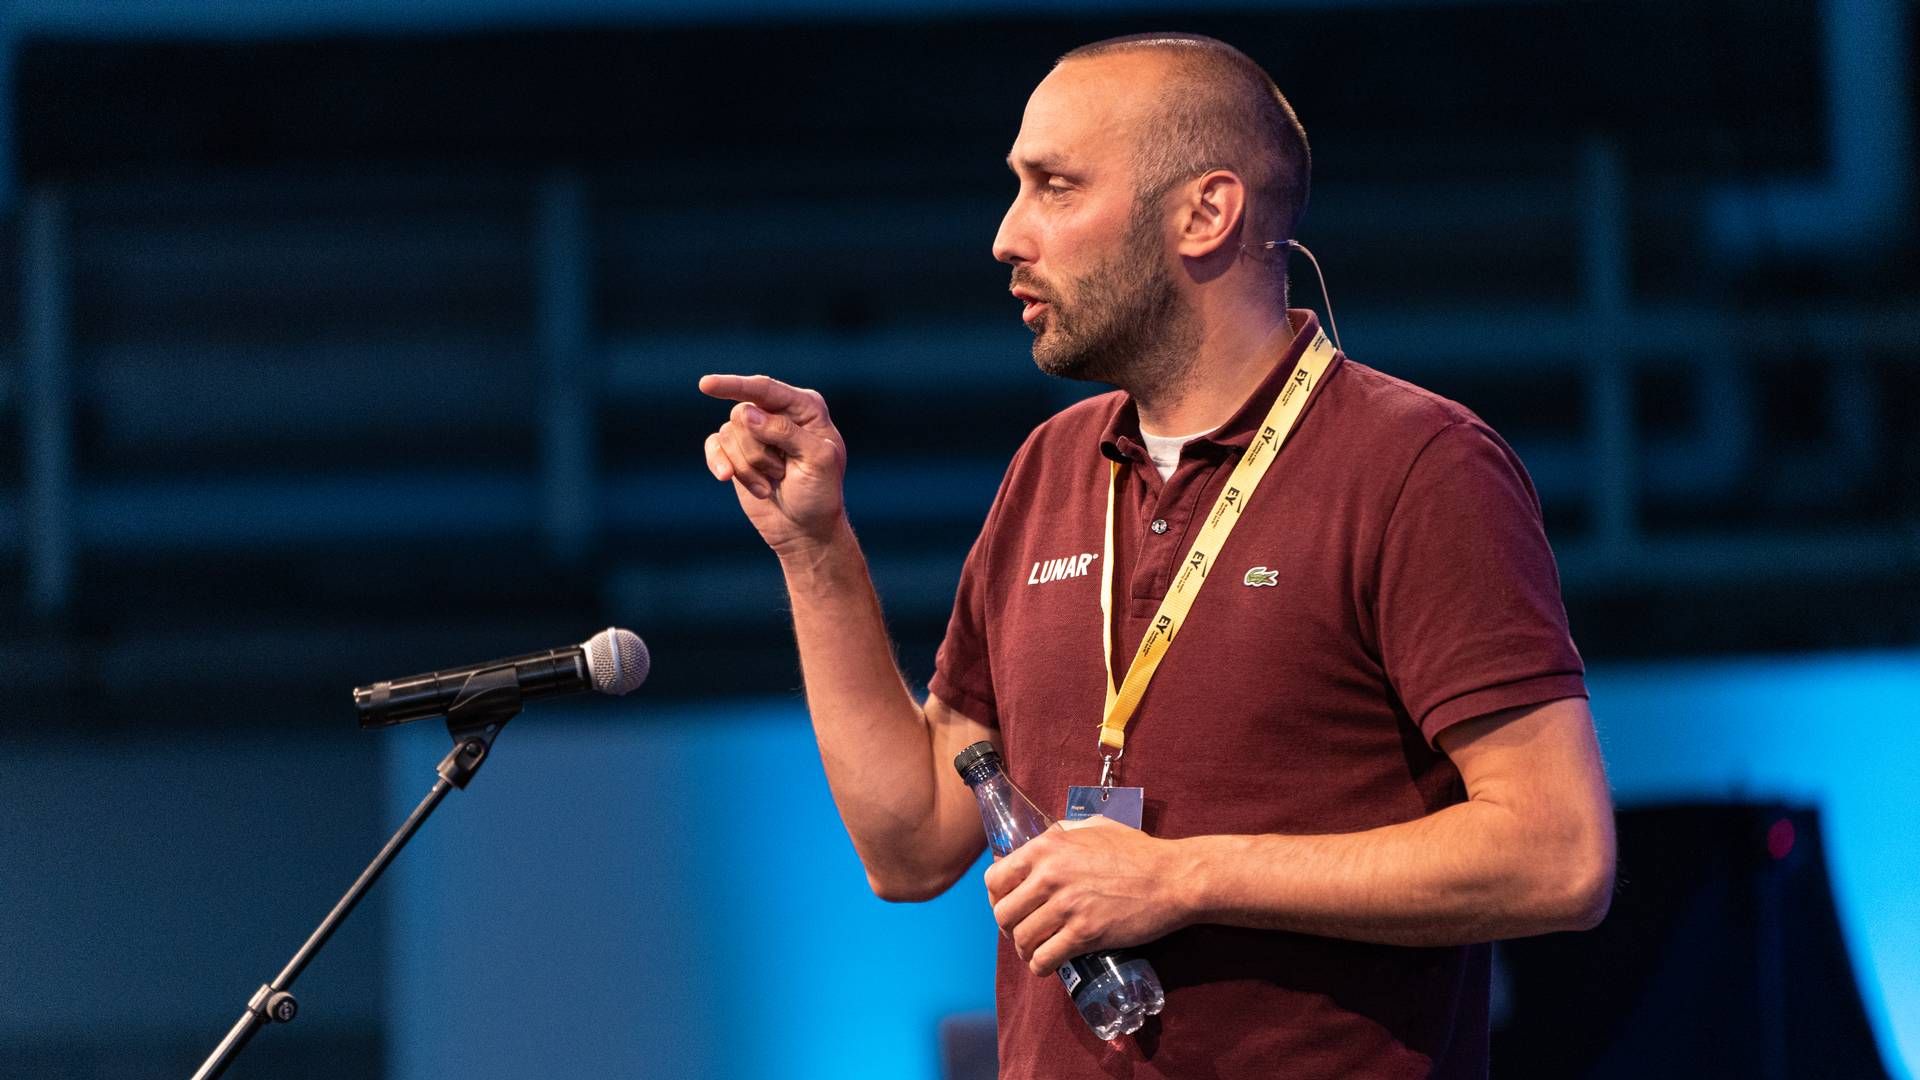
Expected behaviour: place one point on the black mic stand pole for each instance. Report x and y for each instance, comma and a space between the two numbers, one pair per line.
487, 701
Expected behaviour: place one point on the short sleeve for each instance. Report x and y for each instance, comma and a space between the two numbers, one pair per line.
963, 666
962, 670
1469, 611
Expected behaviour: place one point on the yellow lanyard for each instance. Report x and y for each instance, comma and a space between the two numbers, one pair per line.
1259, 456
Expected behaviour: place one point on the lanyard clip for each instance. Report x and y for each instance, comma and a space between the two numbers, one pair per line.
1106, 773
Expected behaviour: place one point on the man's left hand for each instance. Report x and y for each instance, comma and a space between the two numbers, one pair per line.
1084, 886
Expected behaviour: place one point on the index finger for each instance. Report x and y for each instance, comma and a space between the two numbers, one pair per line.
769, 393
1019, 904
1007, 872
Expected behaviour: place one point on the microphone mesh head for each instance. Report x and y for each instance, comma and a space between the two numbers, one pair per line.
617, 660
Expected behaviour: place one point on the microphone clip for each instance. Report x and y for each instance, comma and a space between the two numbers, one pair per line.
487, 701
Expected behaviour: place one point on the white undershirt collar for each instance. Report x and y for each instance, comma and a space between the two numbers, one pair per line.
1164, 450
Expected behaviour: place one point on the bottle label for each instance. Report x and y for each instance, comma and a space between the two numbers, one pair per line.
1070, 977
1082, 970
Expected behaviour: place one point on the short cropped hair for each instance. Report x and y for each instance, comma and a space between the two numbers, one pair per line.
1219, 110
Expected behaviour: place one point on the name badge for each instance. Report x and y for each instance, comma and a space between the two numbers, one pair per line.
1121, 804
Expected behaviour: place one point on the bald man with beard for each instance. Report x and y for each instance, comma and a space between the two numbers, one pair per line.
1367, 751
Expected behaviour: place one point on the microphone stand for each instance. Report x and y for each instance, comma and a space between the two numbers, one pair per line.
487, 701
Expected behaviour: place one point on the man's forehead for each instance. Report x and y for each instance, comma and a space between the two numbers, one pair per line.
1085, 109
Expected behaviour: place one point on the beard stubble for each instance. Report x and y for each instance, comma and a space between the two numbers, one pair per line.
1127, 325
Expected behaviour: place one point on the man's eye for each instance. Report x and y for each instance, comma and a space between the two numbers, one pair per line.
1055, 187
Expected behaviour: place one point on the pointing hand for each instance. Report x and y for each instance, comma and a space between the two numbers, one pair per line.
784, 456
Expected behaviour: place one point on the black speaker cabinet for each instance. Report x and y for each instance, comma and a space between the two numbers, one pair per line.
1721, 957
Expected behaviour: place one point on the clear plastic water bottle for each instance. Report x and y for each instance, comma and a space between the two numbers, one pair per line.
1115, 992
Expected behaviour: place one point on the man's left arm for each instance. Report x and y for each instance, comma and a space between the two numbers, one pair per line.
1530, 851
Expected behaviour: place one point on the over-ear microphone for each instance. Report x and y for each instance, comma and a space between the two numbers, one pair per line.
1296, 245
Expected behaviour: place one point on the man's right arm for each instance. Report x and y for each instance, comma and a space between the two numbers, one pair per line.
888, 760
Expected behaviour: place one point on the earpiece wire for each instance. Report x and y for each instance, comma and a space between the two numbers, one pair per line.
1325, 297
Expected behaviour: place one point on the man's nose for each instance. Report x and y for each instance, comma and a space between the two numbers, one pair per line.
1013, 244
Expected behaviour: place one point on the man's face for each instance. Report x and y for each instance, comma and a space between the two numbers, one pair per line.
1090, 260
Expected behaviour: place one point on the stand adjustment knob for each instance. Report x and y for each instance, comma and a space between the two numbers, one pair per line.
282, 1008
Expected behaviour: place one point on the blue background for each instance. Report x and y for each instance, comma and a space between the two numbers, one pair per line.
342, 340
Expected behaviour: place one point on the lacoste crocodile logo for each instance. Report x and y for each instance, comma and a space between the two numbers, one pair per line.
1259, 576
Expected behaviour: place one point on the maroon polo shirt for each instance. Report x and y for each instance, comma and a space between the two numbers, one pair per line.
1412, 588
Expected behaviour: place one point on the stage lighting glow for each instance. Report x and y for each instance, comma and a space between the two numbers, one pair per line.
1780, 839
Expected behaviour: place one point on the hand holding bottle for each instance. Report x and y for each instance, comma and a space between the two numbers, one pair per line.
1114, 992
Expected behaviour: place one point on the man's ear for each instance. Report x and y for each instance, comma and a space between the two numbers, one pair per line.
1211, 212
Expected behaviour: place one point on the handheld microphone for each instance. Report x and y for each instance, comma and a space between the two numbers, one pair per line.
613, 661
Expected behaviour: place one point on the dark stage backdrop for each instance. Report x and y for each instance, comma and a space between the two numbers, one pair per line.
348, 340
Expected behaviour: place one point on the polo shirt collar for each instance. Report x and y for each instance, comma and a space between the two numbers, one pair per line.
1121, 442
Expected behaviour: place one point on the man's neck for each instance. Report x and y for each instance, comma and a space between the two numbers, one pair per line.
1229, 363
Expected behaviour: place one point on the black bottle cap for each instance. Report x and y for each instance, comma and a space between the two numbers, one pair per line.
974, 755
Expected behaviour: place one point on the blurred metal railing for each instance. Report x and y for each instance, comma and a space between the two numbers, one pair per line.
569, 372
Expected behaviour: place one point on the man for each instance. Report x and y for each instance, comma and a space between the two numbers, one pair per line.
1367, 750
